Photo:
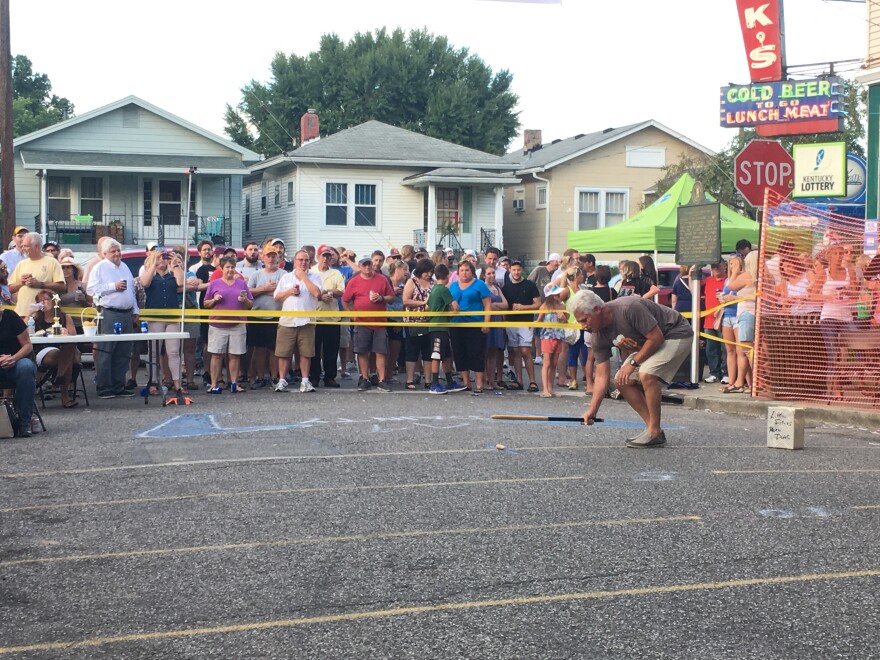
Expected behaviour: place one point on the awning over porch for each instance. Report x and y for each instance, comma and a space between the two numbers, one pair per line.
120, 162
457, 175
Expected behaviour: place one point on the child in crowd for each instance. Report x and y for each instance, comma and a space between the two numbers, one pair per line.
440, 300
552, 339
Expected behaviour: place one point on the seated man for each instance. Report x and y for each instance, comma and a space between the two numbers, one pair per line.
17, 367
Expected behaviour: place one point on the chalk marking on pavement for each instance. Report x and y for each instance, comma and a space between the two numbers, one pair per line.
349, 538
800, 471
290, 491
295, 457
440, 607
866, 506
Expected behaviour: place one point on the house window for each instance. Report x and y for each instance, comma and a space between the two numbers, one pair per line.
597, 208
541, 197
519, 200
264, 197
91, 197
58, 190
338, 211
148, 203
364, 205
277, 195
448, 212
290, 199
646, 157
336, 201
247, 213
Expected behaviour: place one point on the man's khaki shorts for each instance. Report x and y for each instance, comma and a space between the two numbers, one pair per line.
300, 340
665, 362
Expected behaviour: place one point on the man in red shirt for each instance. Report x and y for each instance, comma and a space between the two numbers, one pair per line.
369, 292
715, 352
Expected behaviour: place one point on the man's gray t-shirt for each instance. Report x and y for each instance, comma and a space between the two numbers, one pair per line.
265, 301
634, 317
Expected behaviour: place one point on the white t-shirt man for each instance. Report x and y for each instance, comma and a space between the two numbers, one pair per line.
304, 302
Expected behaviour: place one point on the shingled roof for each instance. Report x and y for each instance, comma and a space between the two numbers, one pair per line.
374, 142
557, 152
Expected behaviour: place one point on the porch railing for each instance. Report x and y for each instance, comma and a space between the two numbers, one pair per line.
139, 229
487, 239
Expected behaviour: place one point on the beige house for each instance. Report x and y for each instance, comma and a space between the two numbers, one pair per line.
584, 182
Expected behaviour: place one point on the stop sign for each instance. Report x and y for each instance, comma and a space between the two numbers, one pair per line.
763, 164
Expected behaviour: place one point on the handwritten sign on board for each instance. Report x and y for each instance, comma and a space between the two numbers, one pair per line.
698, 234
785, 428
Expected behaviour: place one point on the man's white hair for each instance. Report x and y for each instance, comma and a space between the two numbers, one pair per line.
584, 302
109, 244
35, 237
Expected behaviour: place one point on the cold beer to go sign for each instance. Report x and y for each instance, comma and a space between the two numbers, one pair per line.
760, 165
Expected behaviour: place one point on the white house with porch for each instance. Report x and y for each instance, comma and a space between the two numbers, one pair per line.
375, 186
132, 171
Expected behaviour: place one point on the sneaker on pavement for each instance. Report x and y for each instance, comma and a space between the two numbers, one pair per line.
106, 395
215, 390
363, 384
455, 386
645, 441
374, 380
711, 379
539, 360
330, 382
437, 388
24, 430
306, 386
258, 384
124, 393
725, 380
281, 385
345, 375
383, 386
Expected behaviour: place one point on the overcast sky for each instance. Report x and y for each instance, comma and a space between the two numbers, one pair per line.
578, 67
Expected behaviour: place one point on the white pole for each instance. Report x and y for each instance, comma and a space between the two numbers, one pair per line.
697, 322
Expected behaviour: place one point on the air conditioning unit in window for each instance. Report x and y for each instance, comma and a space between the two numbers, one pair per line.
519, 205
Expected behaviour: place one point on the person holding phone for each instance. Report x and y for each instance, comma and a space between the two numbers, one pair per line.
226, 334
162, 278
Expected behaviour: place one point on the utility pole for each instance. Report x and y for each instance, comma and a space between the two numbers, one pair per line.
7, 167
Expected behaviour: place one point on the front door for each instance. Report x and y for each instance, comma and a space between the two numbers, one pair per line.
169, 203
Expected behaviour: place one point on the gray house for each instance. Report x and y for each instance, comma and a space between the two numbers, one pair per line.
132, 171
377, 186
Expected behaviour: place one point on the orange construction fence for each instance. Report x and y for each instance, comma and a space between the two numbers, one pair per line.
818, 313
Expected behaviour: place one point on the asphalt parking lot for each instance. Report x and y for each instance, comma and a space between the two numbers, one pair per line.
354, 525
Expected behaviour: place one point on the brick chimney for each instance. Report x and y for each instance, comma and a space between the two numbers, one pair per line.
309, 127
531, 140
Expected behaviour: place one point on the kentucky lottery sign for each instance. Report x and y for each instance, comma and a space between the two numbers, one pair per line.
819, 170
781, 102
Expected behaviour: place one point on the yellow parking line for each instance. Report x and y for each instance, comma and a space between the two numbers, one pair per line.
440, 607
381, 536
866, 506
820, 471
288, 491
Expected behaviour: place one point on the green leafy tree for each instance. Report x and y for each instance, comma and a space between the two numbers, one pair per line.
717, 172
33, 104
416, 81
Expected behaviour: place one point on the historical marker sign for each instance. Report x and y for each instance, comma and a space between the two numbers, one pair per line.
698, 234
760, 165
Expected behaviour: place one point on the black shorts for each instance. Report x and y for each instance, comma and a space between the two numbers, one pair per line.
262, 335
418, 347
440, 345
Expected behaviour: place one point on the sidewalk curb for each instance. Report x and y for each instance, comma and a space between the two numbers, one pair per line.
813, 414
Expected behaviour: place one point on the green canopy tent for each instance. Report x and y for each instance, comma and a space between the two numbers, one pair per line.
653, 229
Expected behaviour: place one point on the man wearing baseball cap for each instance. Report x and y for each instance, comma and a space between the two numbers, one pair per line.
283, 263
327, 335
13, 255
